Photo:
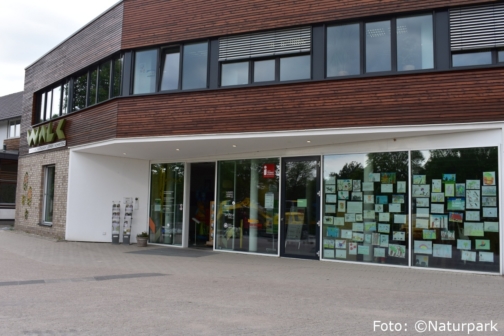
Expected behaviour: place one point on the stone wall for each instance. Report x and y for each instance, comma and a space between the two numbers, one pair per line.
29, 194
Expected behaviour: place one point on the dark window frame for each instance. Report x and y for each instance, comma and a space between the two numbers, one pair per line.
163, 51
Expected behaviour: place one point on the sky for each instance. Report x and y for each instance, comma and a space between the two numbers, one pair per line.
31, 28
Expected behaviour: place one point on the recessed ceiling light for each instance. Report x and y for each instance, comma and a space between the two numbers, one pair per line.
177, 149
124, 153
308, 141
234, 145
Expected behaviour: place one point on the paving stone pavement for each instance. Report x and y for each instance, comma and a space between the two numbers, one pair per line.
70, 288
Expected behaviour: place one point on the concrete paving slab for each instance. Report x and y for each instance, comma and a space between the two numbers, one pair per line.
194, 292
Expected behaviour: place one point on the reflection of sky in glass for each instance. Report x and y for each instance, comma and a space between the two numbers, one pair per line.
264, 71
415, 43
476, 58
343, 50
378, 46
235, 73
170, 78
334, 163
194, 73
292, 68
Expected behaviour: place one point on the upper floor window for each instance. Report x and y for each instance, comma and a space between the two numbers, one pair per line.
14, 128
53, 102
476, 35
349, 51
254, 58
182, 68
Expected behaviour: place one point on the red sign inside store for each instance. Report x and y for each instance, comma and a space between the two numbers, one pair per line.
269, 170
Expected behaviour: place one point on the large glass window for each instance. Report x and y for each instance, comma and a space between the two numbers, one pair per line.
247, 206
194, 73
145, 71
79, 92
56, 104
378, 46
365, 208
171, 70
415, 46
473, 58
117, 76
166, 203
296, 67
455, 209
264, 71
501, 55
103, 81
343, 50
48, 199
235, 73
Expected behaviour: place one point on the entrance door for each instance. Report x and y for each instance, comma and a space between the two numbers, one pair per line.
300, 207
201, 201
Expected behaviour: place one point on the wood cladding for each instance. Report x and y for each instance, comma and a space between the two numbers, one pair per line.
150, 22
11, 144
427, 98
91, 125
98, 40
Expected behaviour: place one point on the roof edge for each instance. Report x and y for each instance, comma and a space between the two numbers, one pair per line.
78, 31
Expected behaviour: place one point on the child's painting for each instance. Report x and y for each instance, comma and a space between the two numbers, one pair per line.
349, 217
329, 254
490, 212
330, 208
367, 186
384, 217
442, 251
449, 178
332, 232
419, 179
473, 184
457, 217
358, 217
368, 199
436, 186
398, 199
388, 178
437, 208
489, 191
358, 237
352, 248
422, 247
369, 214
486, 257
398, 251
482, 244
354, 207
381, 199
378, 207
367, 238
384, 239
401, 187
438, 221
341, 206
330, 198
429, 234
343, 195
456, 203
488, 201
399, 235
422, 223
464, 244
460, 189
420, 190
340, 244
447, 235
356, 184
346, 234
375, 177
468, 256
437, 197
383, 228
400, 219
358, 227
375, 239
449, 190
472, 216
423, 212
422, 260
339, 221
341, 254
363, 249
328, 220
344, 185
370, 226
356, 196
328, 243
379, 252
489, 178
491, 226
330, 189
387, 188
473, 229
394, 207
473, 200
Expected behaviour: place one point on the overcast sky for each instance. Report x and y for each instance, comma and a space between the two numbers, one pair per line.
30, 28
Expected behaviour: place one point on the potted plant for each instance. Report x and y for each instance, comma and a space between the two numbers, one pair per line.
142, 239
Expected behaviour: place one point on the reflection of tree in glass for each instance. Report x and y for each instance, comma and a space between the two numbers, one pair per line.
352, 170
298, 175
469, 163
79, 92
394, 162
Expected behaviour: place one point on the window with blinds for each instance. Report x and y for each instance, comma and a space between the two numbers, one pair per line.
480, 27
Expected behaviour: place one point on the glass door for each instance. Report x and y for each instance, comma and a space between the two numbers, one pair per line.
300, 207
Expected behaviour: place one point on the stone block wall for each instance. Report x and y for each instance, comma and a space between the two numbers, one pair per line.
29, 194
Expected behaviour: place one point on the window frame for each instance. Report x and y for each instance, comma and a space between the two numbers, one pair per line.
17, 126
45, 192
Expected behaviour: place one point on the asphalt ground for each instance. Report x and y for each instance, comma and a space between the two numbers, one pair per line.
50, 287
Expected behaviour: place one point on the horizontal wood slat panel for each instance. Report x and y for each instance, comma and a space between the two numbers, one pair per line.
435, 98
149, 22
90, 125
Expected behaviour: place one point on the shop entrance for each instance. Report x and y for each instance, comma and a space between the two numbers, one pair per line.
300, 207
202, 190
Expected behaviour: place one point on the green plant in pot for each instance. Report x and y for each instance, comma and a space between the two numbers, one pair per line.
142, 239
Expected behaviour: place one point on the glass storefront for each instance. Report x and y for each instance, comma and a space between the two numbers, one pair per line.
166, 203
455, 213
454, 208
366, 208
247, 206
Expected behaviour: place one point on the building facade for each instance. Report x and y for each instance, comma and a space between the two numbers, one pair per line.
363, 132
